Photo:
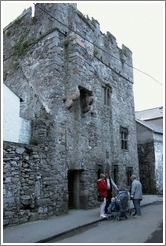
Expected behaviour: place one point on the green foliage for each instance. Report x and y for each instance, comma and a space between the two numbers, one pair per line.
33, 141
22, 45
17, 21
83, 17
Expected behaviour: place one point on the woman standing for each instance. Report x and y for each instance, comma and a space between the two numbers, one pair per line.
102, 191
110, 184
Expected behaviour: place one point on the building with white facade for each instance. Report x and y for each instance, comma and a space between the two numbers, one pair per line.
15, 128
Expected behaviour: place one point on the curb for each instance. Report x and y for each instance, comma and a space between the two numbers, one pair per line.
66, 232
46, 240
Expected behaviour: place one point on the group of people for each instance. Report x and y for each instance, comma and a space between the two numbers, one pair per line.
105, 184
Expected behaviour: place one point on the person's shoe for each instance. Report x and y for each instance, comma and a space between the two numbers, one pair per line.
137, 216
103, 216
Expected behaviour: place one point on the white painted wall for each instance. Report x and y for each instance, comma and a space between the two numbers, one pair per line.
158, 148
25, 131
15, 128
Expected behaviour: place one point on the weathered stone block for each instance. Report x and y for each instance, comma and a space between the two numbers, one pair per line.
40, 202
33, 216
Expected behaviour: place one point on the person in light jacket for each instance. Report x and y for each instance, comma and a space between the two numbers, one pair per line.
136, 195
102, 191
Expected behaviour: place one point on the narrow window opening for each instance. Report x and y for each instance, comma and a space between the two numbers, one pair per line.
115, 173
107, 95
124, 138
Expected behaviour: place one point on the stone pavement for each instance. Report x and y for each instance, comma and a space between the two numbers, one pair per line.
43, 230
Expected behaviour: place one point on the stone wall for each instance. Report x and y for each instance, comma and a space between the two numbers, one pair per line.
29, 186
151, 166
64, 65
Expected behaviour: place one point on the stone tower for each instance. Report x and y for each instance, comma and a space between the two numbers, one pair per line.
76, 88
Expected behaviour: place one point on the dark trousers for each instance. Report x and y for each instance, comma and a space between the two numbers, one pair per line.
108, 201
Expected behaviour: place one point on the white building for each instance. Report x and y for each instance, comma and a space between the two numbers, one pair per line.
149, 124
15, 128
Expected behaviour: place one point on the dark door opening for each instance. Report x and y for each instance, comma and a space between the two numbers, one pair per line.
71, 189
99, 171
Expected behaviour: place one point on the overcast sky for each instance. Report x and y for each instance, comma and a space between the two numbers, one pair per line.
139, 25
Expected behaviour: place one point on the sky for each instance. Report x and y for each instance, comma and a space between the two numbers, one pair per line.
139, 25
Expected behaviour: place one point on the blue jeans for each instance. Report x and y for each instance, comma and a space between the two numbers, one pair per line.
137, 206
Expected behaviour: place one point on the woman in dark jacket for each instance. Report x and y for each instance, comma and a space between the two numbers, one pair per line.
102, 191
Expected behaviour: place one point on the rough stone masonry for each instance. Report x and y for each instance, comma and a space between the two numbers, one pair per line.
76, 87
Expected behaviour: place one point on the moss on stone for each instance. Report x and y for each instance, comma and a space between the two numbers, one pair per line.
22, 45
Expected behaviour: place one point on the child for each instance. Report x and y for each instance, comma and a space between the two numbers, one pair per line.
111, 206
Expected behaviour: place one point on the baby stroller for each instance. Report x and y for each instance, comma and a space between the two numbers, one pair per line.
120, 207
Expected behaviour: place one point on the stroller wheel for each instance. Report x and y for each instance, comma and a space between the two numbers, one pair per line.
126, 217
108, 217
117, 218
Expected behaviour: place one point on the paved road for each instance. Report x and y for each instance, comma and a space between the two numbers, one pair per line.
131, 230
156, 236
